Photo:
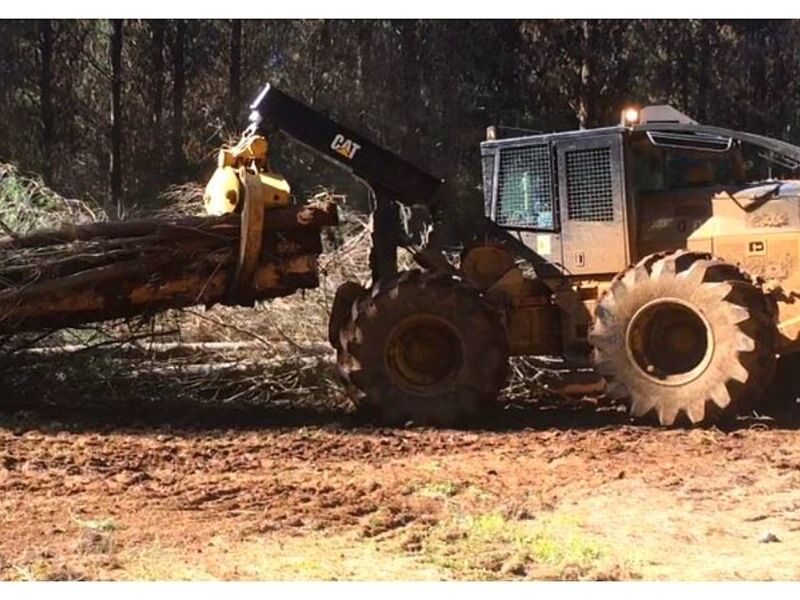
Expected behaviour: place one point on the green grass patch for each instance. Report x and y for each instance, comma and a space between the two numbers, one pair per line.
440, 489
492, 546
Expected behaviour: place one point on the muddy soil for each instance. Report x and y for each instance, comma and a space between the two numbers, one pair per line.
282, 492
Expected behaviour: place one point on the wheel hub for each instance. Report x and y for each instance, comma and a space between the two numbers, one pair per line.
670, 341
423, 353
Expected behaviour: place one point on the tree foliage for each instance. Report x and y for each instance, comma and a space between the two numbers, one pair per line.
425, 89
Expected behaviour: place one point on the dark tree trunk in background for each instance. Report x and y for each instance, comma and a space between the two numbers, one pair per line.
582, 110
756, 33
157, 90
411, 76
706, 57
424, 88
116, 207
235, 74
782, 79
178, 94
684, 66
46, 97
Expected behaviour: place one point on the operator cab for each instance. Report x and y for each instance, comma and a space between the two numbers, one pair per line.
595, 201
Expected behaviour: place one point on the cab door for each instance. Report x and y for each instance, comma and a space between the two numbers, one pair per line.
591, 184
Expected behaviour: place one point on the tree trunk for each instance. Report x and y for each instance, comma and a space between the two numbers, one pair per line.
685, 64
706, 57
412, 80
582, 111
116, 208
46, 98
178, 94
235, 74
157, 59
756, 43
780, 123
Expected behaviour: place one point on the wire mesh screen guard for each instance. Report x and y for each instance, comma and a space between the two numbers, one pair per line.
525, 188
590, 195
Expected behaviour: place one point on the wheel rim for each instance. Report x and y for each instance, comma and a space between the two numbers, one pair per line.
670, 341
423, 354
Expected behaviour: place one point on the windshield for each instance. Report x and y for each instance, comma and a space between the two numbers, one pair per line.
657, 168
678, 156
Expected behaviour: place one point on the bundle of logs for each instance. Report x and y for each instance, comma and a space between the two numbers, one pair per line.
99, 271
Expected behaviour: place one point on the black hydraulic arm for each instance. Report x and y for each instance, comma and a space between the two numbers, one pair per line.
381, 169
391, 178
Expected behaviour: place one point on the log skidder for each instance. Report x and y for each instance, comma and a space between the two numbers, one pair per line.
423, 347
684, 335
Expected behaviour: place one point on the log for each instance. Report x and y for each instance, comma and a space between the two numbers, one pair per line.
55, 279
129, 297
166, 350
316, 215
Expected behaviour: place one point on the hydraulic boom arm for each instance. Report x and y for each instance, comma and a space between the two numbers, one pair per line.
391, 179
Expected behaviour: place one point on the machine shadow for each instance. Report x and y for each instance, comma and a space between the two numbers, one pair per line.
184, 417
79, 395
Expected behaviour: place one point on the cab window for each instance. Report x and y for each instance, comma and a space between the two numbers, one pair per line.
658, 168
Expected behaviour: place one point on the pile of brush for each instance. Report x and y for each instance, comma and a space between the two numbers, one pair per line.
274, 354
26, 204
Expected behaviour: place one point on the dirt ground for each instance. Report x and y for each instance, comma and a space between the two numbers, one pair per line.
283, 492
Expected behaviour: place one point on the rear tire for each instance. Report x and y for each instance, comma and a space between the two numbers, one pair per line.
425, 348
684, 335
346, 295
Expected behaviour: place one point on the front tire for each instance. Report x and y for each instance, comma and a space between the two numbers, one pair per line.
684, 335
425, 348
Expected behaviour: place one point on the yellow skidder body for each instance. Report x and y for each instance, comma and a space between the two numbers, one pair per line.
243, 172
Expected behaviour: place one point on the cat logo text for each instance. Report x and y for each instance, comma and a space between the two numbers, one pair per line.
345, 147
